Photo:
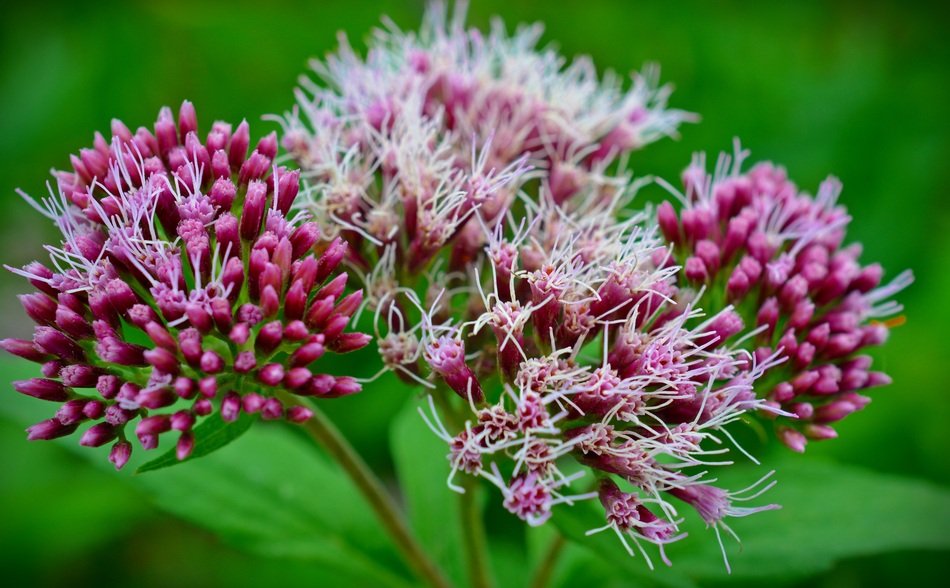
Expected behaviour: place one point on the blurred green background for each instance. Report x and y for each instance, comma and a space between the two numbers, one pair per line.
856, 89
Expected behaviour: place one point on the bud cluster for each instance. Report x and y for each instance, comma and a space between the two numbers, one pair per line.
755, 241
183, 286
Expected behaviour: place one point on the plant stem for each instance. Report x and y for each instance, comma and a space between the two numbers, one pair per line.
542, 575
473, 537
324, 432
472, 526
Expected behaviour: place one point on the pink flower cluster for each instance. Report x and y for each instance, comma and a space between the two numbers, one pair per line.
581, 332
480, 183
183, 286
755, 241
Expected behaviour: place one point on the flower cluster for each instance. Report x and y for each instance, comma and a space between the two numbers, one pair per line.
410, 151
593, 357
754, 241
183, 286
480, 183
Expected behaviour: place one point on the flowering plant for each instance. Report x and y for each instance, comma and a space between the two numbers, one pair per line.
565, 344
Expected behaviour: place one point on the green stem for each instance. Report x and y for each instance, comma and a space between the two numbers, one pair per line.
475, 545
324, 432
473, 537
542, 575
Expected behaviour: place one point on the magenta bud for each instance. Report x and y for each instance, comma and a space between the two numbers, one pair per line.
94, 409
245, 362
51, 369
320, 385
184, 387
189, 341
876, 379
267, 146
24, 349
116, 415
295, 301
873, 334
198, 317
344, 386
221, 313
330, 259
233, 276
153, 425
783, 392
299, 414
695, 270
226, 233
40, 307
270, 301
272, 409
295, 331
320, 310
79, 376
669, 223
252, 403
287, 188
108, 386
161, 337
304, 238
208, 386
230, 407
120, 454
71, 412
49, 429
153, 398
240, 141
335, 326
43, 389
348, 342
738, 285
348, 305
804, 381
141, 314
820, 432
211, 362
202, 407
834, 411
220, 167
98, 435
121, 295
271, 374
269, 337
187, 120
768, 313
253, 213
297, 377
819, 336
240, 333
792, 439
185, 445
250, 314
57, 344
163, 360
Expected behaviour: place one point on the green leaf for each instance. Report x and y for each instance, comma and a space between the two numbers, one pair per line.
829, 512
212, 434
271, 494
422, 470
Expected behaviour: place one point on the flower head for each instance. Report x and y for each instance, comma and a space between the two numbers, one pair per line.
777, 255
182, 286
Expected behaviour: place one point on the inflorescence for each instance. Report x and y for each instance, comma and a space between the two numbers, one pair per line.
481, 184
478, 186
183, 286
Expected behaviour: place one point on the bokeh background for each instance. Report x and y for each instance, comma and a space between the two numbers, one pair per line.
856, 89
